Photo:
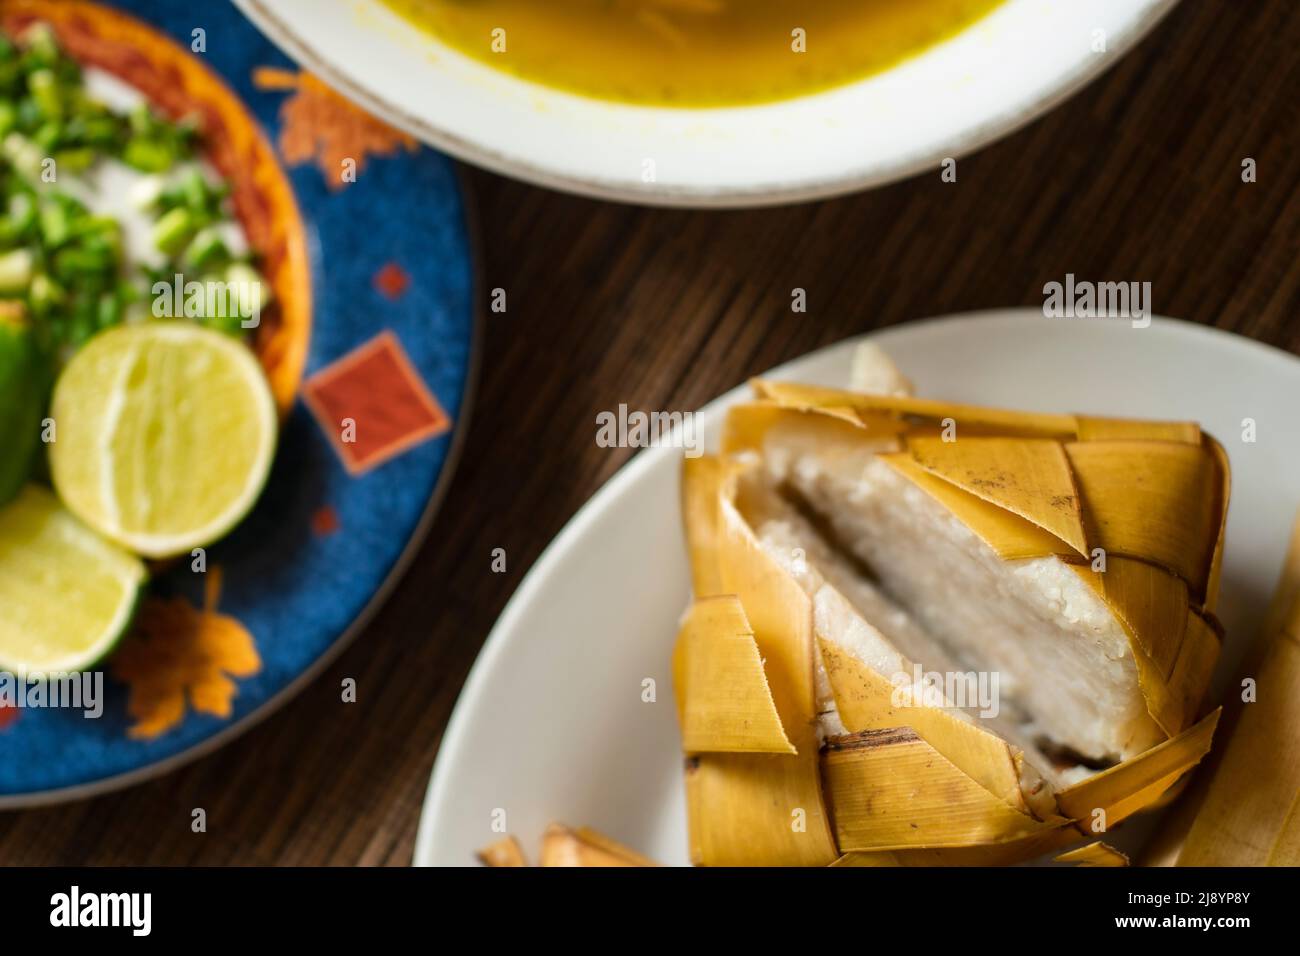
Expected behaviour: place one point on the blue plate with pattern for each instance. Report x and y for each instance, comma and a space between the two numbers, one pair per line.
392, 314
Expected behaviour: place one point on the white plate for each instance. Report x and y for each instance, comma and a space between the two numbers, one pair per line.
954, 98
551, 725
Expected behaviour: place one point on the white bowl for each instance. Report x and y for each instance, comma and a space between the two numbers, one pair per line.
1004, 71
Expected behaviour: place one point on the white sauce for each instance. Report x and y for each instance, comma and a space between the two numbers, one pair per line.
112, 188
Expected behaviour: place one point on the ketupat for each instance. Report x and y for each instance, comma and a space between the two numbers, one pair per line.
1094, 543
1243, 808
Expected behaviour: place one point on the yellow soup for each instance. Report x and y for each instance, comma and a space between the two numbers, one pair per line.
692, 52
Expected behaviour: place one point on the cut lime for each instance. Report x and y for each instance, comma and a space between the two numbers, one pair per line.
68, 595
164, 435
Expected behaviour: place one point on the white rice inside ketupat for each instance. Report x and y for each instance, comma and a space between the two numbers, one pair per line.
1060, 654
854, 615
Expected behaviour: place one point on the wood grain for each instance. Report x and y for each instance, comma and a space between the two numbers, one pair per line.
1136, 178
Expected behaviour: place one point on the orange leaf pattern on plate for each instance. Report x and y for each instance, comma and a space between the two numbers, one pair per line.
181, 653
318, 125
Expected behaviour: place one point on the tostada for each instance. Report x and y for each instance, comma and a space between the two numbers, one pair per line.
155, 307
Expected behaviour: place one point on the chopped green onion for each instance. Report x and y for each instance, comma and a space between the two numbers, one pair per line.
42, 46
173, 231
47, 136
16, 270
56, 225
110, 310
25, 156
195, 189
44, 294
60, 262
206, 250
242, 276
75, 160
44, 87
81, 262
148, 155
22, 212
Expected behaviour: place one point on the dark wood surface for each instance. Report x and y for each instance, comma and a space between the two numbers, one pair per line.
1136, 178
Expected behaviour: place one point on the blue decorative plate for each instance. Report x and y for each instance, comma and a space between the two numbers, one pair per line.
393, 301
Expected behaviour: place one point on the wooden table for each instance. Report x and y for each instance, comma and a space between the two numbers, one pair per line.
1136, 178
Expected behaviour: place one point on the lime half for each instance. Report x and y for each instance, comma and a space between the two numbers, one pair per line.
68, 595
164, 435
